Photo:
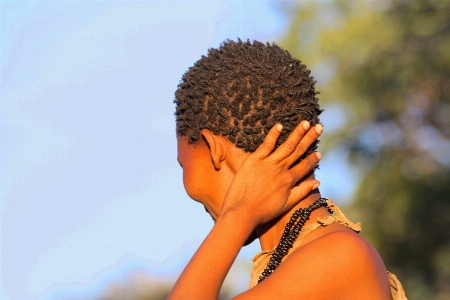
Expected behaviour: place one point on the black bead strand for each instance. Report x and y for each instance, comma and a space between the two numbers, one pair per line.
290, 234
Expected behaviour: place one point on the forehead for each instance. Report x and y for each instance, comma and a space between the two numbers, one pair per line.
180, 146
185, 151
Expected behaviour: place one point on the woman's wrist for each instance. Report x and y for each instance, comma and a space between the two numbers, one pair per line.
239, 223
204, 275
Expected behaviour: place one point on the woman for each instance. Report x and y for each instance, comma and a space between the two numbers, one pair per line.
256, 179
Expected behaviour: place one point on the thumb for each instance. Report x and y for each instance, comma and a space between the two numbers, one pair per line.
300, 191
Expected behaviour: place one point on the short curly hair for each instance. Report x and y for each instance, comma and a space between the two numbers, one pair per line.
241, 90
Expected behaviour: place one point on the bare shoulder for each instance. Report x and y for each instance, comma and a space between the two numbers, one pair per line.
347, 252
347, 262
337, 265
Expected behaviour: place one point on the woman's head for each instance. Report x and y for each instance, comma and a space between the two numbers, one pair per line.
225, 105
240, 90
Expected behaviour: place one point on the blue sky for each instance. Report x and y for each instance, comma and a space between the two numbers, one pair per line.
90, 189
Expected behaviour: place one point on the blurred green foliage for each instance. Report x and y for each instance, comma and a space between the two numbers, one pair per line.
391, 67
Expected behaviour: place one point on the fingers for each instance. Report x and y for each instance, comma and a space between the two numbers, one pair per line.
305, 166
269, 142
292, 142
304, 144
296, 144
300, 191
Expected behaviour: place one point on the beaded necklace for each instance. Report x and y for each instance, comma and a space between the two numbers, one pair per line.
289, 236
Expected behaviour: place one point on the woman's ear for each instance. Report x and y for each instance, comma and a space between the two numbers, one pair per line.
216, 147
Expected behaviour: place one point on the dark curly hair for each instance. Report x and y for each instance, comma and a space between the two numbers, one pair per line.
241, 90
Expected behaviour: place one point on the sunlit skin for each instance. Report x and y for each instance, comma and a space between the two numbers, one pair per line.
333, 262
207, 182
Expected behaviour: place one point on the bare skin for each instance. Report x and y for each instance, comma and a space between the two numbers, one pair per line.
260, 191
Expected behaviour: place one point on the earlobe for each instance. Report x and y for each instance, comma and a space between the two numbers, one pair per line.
215, 146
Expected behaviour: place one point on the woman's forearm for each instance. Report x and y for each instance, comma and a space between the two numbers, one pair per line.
203, 276
263, 188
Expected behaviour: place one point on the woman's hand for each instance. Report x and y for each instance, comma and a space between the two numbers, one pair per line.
265, 185
263, 188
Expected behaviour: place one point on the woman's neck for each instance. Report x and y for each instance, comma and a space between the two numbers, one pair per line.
270, 234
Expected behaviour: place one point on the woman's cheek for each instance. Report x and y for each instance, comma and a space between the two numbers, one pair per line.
189, 186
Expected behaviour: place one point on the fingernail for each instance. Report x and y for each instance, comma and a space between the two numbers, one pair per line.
319, 128
316, 186
318, 155
279, 127
306, 125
